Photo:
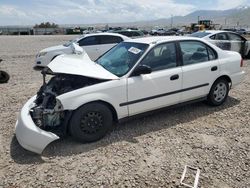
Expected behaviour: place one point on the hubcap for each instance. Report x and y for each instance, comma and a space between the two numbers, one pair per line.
220, 92
91, 122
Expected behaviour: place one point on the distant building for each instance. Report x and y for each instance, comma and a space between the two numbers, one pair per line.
15, 30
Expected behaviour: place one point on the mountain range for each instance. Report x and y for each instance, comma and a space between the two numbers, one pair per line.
237, 17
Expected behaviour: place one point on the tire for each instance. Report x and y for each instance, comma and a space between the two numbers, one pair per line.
218, 92
248, 55
91, 122
4, 77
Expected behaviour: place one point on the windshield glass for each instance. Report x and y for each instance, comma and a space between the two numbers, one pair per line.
70, 42
200, 34
120, 59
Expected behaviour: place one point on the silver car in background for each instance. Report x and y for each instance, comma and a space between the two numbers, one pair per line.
226, 40
94, 44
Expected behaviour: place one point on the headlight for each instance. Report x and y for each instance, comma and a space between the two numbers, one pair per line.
42, 54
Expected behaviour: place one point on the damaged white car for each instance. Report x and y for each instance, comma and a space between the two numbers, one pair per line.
84, 98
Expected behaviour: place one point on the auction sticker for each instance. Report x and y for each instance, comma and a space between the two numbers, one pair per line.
134, 50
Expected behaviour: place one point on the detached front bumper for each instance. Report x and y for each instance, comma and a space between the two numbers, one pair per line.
28, 134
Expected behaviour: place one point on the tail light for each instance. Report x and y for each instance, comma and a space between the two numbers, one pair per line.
241, 63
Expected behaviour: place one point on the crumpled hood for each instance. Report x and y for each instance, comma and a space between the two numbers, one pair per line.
55, 48
80, 65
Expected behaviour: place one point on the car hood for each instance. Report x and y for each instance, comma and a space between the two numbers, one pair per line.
55, 48
80, 65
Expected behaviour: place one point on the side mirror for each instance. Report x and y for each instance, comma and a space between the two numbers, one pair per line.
142, 69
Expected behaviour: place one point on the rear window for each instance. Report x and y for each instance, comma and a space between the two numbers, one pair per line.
109, 39
200, 34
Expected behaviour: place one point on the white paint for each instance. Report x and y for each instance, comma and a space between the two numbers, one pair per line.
126, 88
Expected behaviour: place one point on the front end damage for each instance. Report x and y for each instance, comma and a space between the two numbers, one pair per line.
43, 118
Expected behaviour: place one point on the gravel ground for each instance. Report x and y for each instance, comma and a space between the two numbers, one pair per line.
144, 152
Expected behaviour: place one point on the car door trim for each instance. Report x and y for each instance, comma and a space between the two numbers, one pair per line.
162, 95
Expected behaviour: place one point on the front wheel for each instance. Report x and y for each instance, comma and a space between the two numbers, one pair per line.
91, 122
218, 92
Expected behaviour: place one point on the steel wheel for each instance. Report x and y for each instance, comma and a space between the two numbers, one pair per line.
220, 92
91, 122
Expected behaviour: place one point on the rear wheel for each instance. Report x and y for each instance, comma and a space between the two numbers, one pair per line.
248, 55
218, 92
91, 122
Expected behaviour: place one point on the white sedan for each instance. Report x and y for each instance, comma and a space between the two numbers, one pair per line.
226, 40
94, 44
137, 76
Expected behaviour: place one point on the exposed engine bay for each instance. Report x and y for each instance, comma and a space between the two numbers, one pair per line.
48, 114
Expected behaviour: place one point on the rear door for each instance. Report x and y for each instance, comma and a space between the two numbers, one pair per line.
222, 41
238, 43
200, 69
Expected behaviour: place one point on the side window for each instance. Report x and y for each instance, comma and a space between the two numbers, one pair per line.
126, 33
212, 37
221, 36
108, 39
211, 54
161, 57
234, 37
135, 34
193, 52
88, 41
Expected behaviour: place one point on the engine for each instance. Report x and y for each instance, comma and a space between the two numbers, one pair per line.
48, 114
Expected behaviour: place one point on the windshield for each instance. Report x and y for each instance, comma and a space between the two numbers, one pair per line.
70, 42
120, 59
200, 34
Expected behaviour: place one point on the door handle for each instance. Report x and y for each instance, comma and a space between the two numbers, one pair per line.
174, 77
215, 68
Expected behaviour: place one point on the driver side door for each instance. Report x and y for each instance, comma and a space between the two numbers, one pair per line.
161, 87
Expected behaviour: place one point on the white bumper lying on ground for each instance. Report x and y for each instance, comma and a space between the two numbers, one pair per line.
28, 134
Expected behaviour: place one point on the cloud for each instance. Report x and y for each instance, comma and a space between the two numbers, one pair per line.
99, 11
92, 11
226, 4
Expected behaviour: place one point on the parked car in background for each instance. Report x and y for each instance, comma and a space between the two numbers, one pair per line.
241, 31
84, 98
94, 44
130, 33
159, 32
163, 32
226, 40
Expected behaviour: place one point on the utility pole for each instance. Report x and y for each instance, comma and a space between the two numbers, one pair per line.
172, 21
198, 19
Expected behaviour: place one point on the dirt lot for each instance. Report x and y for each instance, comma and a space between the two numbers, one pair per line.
144, 152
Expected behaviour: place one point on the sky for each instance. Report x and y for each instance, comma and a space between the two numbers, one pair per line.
30, 12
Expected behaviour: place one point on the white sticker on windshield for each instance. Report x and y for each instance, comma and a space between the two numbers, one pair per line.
134, 50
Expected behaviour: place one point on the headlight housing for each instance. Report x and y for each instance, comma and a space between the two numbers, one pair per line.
42, 54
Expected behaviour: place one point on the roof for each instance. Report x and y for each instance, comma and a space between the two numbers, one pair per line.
213, 31
159, 39
217, 31
104, 33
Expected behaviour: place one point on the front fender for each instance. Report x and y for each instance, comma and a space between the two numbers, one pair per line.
75, 102
112, 95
